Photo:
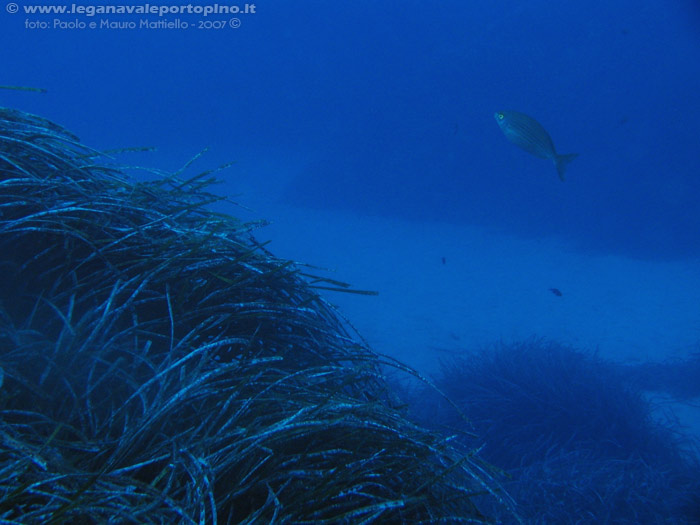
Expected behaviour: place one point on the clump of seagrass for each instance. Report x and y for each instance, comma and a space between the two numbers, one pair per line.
159, 366
577, 437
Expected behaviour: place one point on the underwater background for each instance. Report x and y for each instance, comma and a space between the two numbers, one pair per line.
365, 133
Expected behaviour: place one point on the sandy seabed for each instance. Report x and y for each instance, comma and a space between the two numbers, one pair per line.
447, 289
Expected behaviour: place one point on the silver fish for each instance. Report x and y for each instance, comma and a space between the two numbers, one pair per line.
527, 133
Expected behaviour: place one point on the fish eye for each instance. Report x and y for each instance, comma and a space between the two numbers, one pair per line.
500, 116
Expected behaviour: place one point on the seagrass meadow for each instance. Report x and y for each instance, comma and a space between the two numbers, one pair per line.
158, 365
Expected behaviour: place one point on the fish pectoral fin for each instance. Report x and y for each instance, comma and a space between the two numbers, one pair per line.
561, 162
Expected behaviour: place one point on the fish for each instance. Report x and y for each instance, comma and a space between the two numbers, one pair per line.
556, 291
528, 134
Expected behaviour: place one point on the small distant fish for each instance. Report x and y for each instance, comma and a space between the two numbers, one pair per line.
556, 291
528, 134
444, 261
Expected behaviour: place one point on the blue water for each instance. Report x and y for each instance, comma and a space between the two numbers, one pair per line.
385, 109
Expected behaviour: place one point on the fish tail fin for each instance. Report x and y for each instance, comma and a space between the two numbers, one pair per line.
561, 161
